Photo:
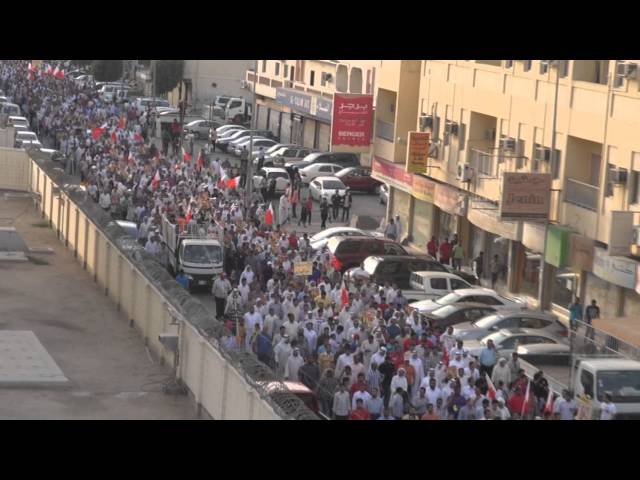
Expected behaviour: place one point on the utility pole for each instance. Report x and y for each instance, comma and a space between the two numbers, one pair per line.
249, 184
541, 282
154, 70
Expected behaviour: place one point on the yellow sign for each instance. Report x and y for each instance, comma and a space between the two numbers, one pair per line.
418, 152
303, 268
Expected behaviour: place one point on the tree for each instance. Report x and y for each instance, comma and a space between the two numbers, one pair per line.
107, 70
169, 73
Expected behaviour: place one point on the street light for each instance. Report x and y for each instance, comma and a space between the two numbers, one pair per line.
249, 185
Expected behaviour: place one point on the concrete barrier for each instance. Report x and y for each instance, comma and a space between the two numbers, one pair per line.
153, 301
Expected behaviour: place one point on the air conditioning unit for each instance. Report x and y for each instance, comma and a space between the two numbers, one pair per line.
465, 172
543, 153
450, 128
244, 84
508, 143
631, 70
618, 175
426, 121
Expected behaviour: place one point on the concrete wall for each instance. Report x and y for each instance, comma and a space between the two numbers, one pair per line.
14, 167
123, 270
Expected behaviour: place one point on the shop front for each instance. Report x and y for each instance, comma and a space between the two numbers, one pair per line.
613, 284
564, 282
423, 217
310, 124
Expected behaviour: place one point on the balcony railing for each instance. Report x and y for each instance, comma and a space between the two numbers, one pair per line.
484, 163
582, 194
385, 130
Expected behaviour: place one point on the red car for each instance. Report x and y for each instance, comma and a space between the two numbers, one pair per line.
358, 178
348, 252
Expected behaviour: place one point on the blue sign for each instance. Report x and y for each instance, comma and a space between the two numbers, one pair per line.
305, 103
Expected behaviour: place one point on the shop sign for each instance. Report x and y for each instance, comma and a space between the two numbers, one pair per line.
418, 152
352, 121
303, 268
581, 256
304, 103
525, 196
557, 253
391, 173
450, 200
620, 271
423, 188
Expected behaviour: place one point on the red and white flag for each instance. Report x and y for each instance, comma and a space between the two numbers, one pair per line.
138, 138
55, 72
31, 68
58, 73
344, 294
233, 182
548, 406
155, 181
186, 158
492, 393
49, 70
526, 399
189, 216
268, 216
96, 133
200, 162
114, 136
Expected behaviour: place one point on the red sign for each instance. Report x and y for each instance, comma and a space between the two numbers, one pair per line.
393, 174
352, 120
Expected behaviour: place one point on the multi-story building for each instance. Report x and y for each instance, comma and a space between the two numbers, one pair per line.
294, 98
487, 117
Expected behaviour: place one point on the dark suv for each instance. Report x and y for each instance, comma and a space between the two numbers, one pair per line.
337, 158
347, 252
398, 268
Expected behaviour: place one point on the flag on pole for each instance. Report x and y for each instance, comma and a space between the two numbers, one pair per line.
491, 390
96, 133
268, 216
114, 136
233, 182
155, 181
344, 294
200, 163
61, 74
189, 216
526, 399
548, 406
186, 158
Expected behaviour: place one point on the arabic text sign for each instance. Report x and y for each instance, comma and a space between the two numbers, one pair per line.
423, 188
392, 174
525, 196
303, 268
617, 270
418, 152
352, 120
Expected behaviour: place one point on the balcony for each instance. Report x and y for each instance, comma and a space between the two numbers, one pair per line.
385, 130
581, 194
484, 163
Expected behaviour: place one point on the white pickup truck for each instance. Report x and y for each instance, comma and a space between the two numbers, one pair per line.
199, 257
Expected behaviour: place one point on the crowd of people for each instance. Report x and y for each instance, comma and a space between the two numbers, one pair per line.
356, 344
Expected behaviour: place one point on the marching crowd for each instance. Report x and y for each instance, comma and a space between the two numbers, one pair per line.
355, 344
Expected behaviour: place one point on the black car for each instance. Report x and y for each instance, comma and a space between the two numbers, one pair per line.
456, 313
398, 268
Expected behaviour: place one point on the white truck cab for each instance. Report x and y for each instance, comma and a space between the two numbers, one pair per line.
428, 285
237, 110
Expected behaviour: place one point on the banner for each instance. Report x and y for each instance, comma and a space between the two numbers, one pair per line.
303, 268
418, 152
392, 173
352, 121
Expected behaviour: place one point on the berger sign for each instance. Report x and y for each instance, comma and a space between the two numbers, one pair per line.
525, 196
352, 123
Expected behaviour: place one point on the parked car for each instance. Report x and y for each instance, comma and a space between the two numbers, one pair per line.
358, 178
525, 319
397, 268
432, 284
320, 240
545, 353
229, 127
338, 158
21, 136
383, 191
325, 187
30, 145
457, 313
4, 99
477, 295
10, 109
223, 142
263, 177
199, 128
290, 154
310, 172
351, 251
467, 276
142, 103
49, 154
257, 143
14, 121
508, 340
269, 154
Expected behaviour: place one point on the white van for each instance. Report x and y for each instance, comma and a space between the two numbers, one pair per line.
10, 109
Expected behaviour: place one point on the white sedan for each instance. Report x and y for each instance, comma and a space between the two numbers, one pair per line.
264, 176
325, 187
310, 172
475, 295
320, 240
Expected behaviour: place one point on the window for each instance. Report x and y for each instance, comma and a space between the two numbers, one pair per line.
292, 73
586, 379
509, 343
348, 247
277, 69
555, 164
388, 268
635, 186
457, 284
544, 66
533, 339
323, 78
512, 322
312, 78
533, 323
508, 63
439, 283
264, 66
325, 168
286, 71
526, 65
475, 313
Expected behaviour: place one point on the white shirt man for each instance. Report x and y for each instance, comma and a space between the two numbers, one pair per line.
607, 409
379, 356
343, 360
251, 319
271, 323
291, 328
457, 362
244, 290
416, 363
282, 352
341, 403
294, 362
311, 336
433, 394
360, 394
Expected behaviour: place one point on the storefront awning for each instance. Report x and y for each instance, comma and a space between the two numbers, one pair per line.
485, 215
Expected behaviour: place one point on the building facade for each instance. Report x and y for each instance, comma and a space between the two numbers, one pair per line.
294, 98
488, 117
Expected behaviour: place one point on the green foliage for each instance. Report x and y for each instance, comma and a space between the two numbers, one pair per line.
169, 73
107, 70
